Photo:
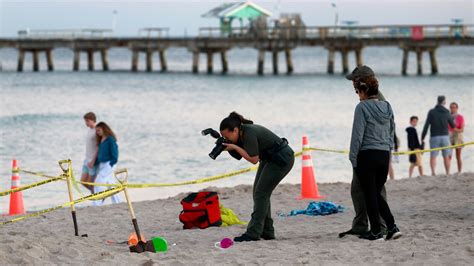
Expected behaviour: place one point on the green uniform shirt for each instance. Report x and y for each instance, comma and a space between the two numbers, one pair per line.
256, 139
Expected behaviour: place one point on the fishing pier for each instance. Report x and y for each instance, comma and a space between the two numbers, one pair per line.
212, 42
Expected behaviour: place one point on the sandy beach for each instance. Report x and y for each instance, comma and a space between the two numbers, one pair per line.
436, 215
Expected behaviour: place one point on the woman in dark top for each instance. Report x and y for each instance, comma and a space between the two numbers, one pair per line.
107, 157
255, 144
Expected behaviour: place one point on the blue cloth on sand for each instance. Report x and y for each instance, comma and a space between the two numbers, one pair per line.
317, 208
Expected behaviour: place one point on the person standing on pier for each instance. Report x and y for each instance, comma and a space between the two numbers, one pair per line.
89, 170
456, 133
107, 158
438, 119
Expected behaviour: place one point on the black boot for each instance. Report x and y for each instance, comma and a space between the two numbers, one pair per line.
372, 236
245, 238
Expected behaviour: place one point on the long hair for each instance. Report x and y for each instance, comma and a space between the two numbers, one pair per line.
107, 131
234, 120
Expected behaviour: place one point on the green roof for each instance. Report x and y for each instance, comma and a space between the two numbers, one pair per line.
241, 10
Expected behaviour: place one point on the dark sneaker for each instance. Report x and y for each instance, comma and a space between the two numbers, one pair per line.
244, 238
268, 236
393, 234
371, 236
351, 232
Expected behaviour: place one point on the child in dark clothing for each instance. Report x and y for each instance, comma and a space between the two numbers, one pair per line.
414, 144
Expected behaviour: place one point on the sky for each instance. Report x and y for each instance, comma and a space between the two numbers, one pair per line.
184, 17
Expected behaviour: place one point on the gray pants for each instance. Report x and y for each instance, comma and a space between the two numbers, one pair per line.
360, 223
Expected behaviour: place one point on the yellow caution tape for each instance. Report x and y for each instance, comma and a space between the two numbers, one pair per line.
434, 149
226, 175
96, 196
245, 170
37, 184
398, 152
38, 174
196, 181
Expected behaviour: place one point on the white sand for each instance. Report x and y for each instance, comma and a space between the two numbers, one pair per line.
436, 215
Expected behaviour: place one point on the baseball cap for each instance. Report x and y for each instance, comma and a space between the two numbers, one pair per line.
360, 72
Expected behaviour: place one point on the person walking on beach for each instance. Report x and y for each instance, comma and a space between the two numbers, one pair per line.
360, 225
456, 133
107, 158
371, 142
413, 145
256, 143
89, 170
438, 119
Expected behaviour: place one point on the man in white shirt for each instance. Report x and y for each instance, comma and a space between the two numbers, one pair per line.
89, 170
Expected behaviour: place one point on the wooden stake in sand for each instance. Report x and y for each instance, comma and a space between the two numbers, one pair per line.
141, 245
68, 173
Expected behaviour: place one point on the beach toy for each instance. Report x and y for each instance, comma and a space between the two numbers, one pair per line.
16, 199
157, 244
309, 187
224, 244
133, 239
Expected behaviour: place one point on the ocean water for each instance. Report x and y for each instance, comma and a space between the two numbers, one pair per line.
158, 116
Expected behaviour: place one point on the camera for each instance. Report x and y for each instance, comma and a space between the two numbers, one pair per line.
219, 148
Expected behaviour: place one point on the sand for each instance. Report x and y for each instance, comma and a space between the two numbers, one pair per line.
436, 215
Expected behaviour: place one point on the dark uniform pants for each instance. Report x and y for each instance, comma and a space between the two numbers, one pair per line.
268, 176
360, 223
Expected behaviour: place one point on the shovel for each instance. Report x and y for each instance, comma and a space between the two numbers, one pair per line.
141, 245
67, 172
156, 244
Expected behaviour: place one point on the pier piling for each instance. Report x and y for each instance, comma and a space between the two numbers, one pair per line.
434, 62
90, 60
21, 60
275, 62
225, 66
35, 61
49, 60
210, 62
261, 62
419, 62
164, 66
358, 56
331, 61
405, 62
135, 60
289, 61
195, 62
76, 60
345, 61
149, 60
105, 60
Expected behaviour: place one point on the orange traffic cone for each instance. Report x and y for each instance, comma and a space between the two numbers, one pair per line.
309, 187
16, 199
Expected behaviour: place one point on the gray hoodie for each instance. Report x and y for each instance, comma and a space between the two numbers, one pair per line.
373, 128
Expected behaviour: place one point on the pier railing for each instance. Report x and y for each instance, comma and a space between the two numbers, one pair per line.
65, 33
365, 32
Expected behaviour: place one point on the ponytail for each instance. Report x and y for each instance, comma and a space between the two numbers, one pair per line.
234, 120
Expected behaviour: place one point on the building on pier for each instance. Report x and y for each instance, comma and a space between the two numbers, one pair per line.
241, 11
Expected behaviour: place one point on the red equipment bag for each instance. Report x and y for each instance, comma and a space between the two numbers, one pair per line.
200, 210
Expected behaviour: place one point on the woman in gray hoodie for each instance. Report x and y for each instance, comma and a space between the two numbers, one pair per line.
371, 142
